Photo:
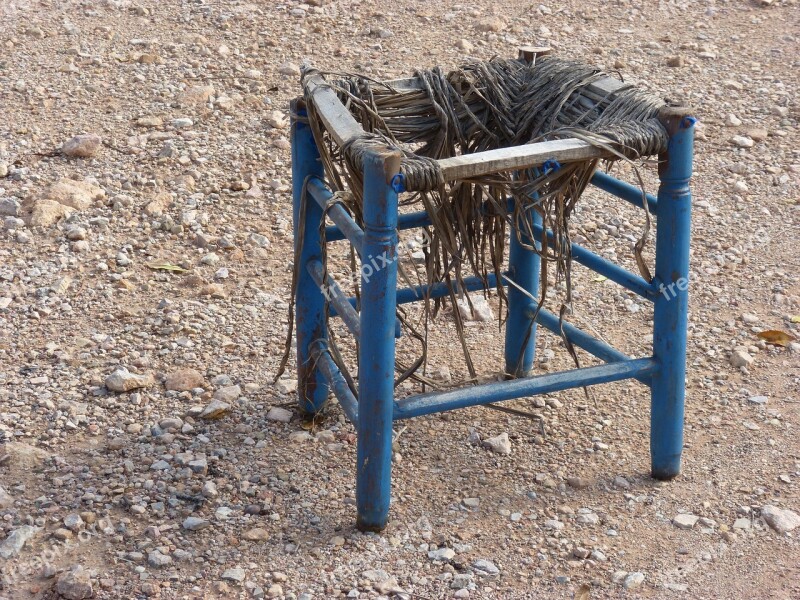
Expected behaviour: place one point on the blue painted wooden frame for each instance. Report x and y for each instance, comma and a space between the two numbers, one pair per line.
373, 408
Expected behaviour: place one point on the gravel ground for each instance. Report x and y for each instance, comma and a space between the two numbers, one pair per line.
144, 282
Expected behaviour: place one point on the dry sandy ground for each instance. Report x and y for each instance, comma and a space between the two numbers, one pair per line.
190, 101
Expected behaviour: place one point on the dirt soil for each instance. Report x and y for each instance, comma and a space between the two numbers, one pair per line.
163, 246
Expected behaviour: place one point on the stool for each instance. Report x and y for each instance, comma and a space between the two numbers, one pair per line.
371, 406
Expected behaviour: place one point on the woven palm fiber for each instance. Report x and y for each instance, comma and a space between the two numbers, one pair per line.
483, 106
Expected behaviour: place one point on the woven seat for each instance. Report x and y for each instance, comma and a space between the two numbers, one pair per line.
496, 104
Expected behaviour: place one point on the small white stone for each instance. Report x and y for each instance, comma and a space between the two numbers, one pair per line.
182, 123
278, 414
742, 141
732, 121
685, 521
442, 554
195, 523
499, 444
741, 358
780, 519
633, 580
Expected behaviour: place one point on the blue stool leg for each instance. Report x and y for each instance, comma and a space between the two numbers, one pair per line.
524, 266
312, 389
376, 351
671, 303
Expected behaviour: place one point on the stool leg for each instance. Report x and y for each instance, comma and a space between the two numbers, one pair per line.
671, 303
524, 267
312, 389
376, 351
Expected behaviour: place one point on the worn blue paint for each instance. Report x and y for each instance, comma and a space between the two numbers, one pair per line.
376, 326
312, 390
337, 299
442, 289
336, 380
623, 190
345, 226
425, 404
376, 352
342, 306
581, 339
407, 221
671, 307
524, 266
635, 283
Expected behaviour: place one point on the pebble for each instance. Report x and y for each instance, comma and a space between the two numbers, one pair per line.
473, 503
73, 522
235, 574
598, 556
85, 145
157, 559
256, 239
464, 45
732, 121
9, 207
480, 311
499, 444
195, 523
78, 195
184, 380
121, 380
742, 141
485, 568
6, 499
684, 521
216, 409
209, 490
16, 540
490, 24
278, 414
289, 69
782, 520
257, 534
75, 584
742, 523
633, 580
579, 483
741, 358
442, 554
229, 393
621, 482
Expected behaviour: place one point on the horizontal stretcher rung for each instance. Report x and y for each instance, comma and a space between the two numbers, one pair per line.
440, 290
624, 190
581, 339
635, 283
337, 382
336, 297
487, 393
345, 225
341, 305
406, 221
